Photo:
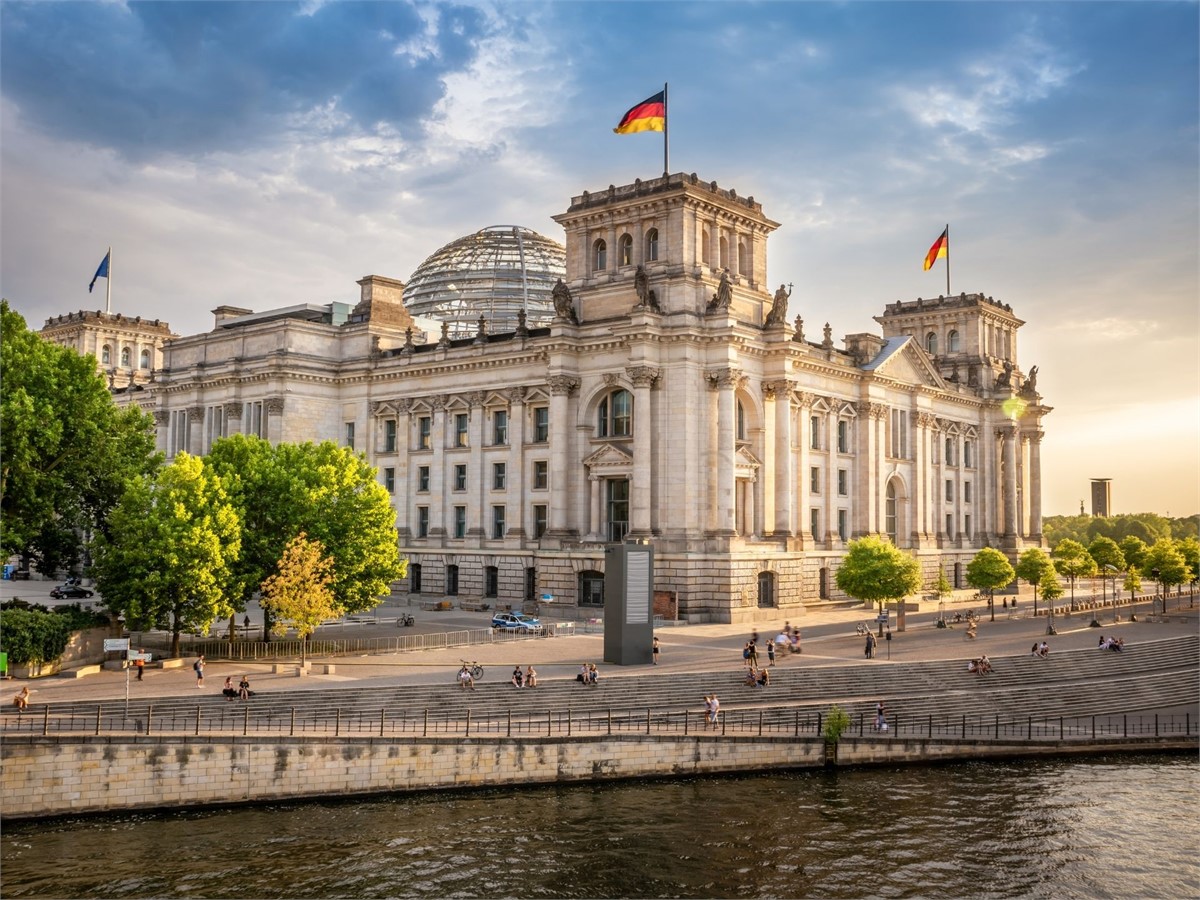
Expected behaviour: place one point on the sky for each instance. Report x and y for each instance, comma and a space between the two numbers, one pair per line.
265, 154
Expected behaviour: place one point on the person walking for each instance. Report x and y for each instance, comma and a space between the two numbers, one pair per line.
198, 666
870, 649
654, 650
714, 708
754, 653
771, 653
140, 665
880, 717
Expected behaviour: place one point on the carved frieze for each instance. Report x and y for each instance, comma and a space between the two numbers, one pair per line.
562, 384
233, 409
642, 376
195, 413
274, 406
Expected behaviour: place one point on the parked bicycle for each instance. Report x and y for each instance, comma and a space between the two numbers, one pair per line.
405, 620
474, 668
862, 628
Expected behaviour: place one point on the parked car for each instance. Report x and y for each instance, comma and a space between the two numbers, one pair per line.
517, 622
70, 592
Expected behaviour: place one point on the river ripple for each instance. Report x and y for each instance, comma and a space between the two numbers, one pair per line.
1120, 827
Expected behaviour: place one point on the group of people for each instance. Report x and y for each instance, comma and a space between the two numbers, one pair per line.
1112, 643
981, 666
789, 638
588, 674
758, 677
528, 678
712, 706
241, 692
1042, 650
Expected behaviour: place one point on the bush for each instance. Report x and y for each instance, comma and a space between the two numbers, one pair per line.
40, 636
836, 722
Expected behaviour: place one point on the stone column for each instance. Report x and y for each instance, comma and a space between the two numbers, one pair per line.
751, 523
920, 436
233, 417
781, 391
274, 412
1010, 481
515, 493
832, 501
1035, 484
196, 430
802, 516
403, 448
162, 424
479, 507
594, 483
561, 438
643, 378
437, 467
724, 382
939, 492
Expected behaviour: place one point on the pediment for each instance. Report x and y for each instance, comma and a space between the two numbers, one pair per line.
907, 363
745, 462
609, 457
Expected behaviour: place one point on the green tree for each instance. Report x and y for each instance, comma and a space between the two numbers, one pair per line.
1058, 528
1051, 589
66, 451
941, 585
327, 492
1134, 550
33, 636
1189, 547
1072, 561
1133, 582
165, 561
1031, 566
299, 593
988, 570
1109, 559
877, 571
1167, 566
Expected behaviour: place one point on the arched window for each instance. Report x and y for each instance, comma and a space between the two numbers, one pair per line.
599, 256
743, 258
125, 357
931, 343
766, 590
952, 342
724, 253
652, 245
890, 512
741, 421
614, 416
144, 360
105, 355
625, 250
705, 243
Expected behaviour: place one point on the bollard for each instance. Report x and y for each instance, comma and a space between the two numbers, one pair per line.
383, 715
292, 732
149, 716
245, 720
467, 731
98, 708
197, 719
337, 722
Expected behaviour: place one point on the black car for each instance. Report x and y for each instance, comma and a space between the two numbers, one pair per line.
70, 592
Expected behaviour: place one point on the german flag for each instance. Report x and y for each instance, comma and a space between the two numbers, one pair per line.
649, 115
939, 250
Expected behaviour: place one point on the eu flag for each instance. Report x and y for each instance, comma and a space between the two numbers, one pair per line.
101, 272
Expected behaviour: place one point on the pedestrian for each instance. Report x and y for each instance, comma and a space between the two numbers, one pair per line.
654, 650
746, 653
754, 636
518, 677
771, 652
714, 708
870, 649
140, 665
880, 717
198, 666
754, 654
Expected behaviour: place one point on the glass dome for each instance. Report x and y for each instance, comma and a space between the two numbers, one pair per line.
495, 272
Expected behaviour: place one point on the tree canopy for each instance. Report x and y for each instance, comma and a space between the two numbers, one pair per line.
876, 571
299, 593
1107, 554
66, 451
1031, 566
988, 570
1147, 527
1072, 561
1166, 565
165, 561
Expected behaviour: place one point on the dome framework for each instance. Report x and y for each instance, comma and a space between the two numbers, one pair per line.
496, 273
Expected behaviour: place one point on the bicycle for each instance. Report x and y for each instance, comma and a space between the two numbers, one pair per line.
862, 628
474, 668
405, 620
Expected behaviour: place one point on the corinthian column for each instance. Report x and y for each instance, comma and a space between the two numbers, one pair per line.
561, 388
643, 378
784, 482
723, 382
1035, 484
1010, 481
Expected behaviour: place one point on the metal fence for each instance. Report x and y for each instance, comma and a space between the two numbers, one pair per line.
112, 719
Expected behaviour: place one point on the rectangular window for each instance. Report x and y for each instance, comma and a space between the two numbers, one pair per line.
950, 524
414, 578
452, 581
214, 425
843, 525
460, 429
950, 451
967, 525
934, 446
500, 427
423, 430
499, 476
968, 454
350, 435
899, 434
541, 475
423, 479
814, 433
540, 519
949, 491
253, 420
460, 522
617, 502
491, 582
541, 424
843, 483
460, 476
814, 522
422, 521
966, 492
843, 431
814, 479
389, 436
497, 522
389, 479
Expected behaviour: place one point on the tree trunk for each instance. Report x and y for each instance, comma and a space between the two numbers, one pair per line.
175, 635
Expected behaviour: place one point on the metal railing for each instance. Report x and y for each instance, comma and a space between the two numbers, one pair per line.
253, 718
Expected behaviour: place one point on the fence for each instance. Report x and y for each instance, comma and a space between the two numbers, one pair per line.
247, 719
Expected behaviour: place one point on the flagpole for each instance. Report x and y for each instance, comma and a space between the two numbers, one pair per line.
108, 285
666, 141
947, 259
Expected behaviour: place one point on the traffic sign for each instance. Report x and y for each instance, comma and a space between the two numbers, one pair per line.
882, 617
135, 655
116, 645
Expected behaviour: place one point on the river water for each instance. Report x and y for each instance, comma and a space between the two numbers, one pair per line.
1119, 826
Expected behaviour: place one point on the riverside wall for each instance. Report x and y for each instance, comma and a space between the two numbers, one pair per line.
49, 776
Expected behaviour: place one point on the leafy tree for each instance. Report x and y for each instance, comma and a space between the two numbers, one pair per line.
1109, 558
1167, 566
32, 636
1188, 527
1059, 528
166, 559
837, 720
1133, 582
1051, 589
1143, 530
988, 570
1134, 550
877, 571
1031, 566
1189, 547
1072, 561
65, 450
327, 492
299, 593
941, 585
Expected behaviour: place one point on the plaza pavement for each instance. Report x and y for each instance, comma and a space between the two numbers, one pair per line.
829, 638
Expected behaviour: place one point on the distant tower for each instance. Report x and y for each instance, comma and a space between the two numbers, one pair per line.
1102, 497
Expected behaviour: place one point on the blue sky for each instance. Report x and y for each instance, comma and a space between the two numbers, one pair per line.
262, 154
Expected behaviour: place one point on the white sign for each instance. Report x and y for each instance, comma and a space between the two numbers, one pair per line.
116, 645
882, 617
135, 655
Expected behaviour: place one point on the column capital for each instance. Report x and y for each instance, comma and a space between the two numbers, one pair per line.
274, 406
805, 399
162, 418
562, 385
642, 376
476, 398
403, 407
195, 413
1034, 436
723, 378
778, 389
439, 401
515, 394
233, 409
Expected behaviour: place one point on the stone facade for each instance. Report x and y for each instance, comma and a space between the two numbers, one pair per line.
665, 402
127, 349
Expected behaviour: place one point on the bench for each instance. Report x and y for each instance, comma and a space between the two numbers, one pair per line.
473, 605
431, 605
